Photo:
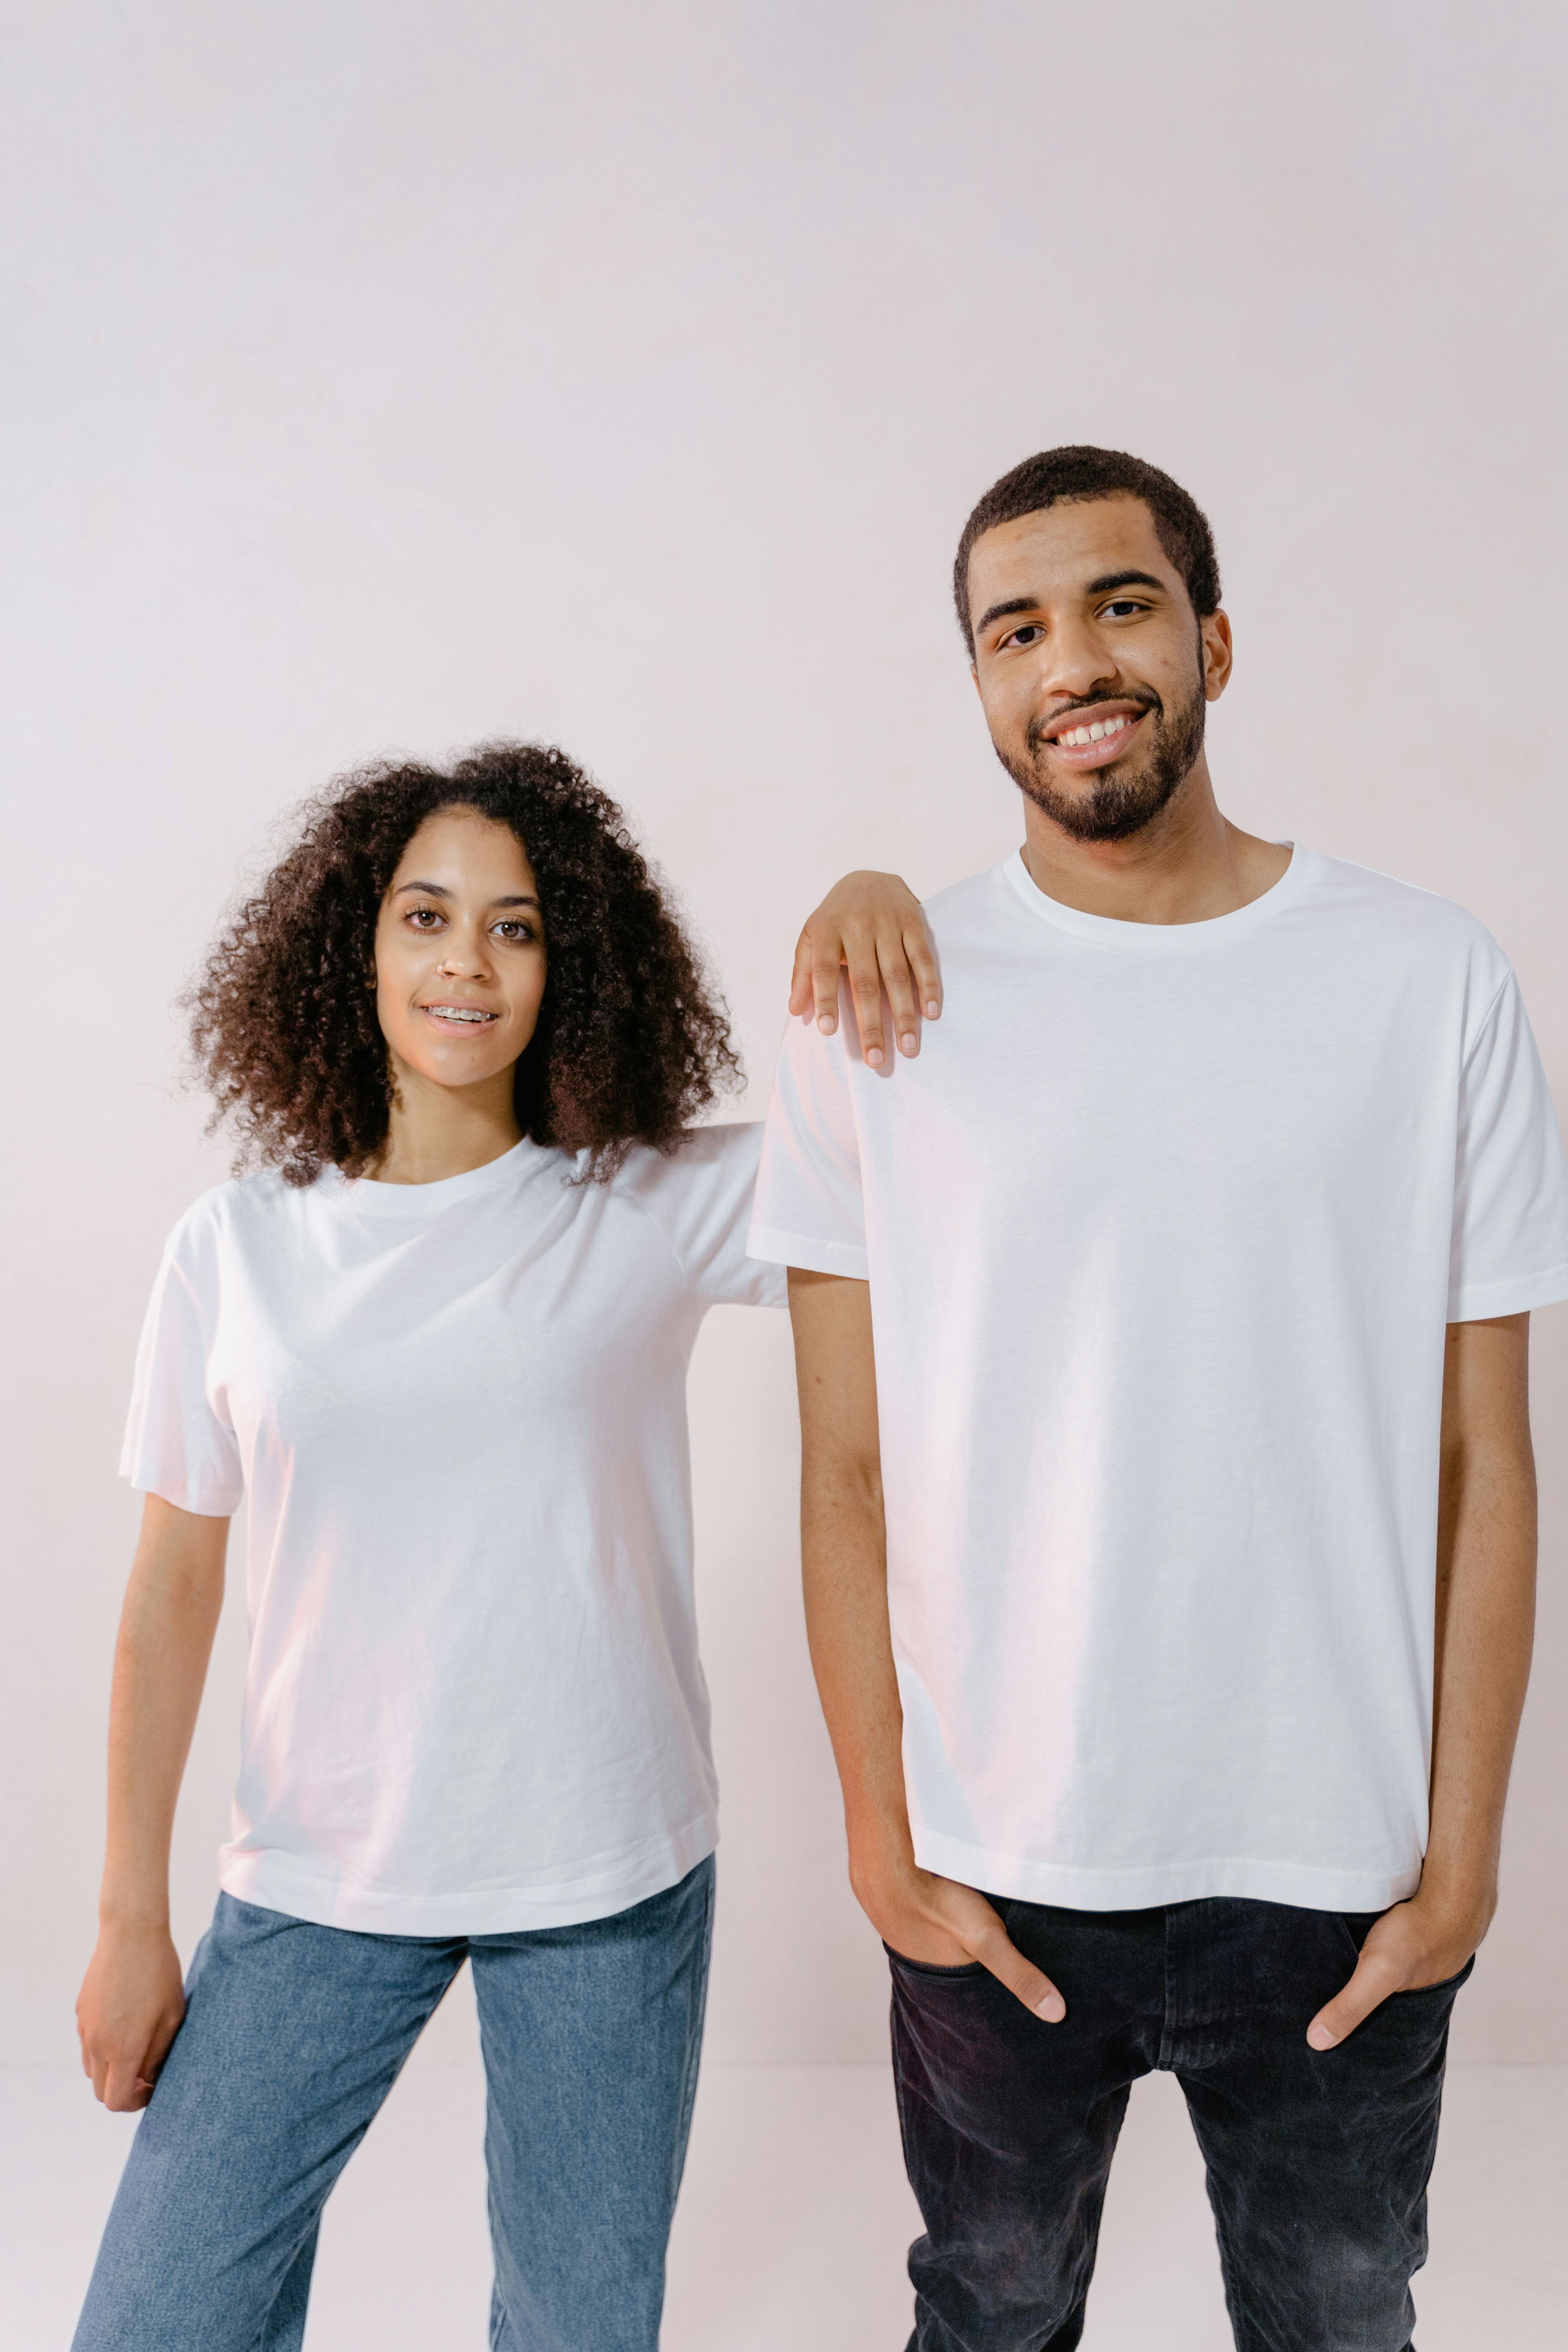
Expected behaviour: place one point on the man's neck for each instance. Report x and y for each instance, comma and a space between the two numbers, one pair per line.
1186, 866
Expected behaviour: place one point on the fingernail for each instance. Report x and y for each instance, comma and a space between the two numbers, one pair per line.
874, 1055
1320, 2038
1053, 2008
826, 1023
932, 1008
909, 1042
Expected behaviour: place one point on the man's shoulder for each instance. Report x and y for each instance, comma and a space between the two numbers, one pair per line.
1424, 921
972, 909
972, 896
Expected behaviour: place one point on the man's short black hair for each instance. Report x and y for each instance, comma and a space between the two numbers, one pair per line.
1079, 471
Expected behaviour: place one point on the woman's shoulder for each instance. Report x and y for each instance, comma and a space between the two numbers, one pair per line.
699, 1195
720, 1157
247, 1205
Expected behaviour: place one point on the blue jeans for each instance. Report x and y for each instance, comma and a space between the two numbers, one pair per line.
1317, 2162
293, 2036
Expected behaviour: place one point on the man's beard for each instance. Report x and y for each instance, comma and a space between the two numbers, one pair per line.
1123, 798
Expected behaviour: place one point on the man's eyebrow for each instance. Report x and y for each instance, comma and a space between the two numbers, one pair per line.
1001, 612
1111, 580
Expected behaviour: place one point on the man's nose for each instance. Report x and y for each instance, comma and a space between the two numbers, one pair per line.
1076, 661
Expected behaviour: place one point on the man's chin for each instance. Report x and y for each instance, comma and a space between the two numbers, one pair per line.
1111, 808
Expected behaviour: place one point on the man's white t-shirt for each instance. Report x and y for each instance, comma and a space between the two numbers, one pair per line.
457, 1416
1162, 1229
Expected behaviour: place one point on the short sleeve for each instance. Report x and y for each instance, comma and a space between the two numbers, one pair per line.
700, 1199
177, 1445
810, 1211
1510, 1196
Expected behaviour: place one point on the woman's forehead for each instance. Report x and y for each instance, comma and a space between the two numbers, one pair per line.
467, 846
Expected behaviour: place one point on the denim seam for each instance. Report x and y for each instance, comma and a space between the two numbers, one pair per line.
1164, 2057
694, 2059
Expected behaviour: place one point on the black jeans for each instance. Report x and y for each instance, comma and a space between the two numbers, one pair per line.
1318, 2162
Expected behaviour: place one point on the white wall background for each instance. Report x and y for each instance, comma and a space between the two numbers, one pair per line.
390, 375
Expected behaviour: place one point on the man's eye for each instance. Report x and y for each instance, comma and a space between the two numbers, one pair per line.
1027, 634
1119, 607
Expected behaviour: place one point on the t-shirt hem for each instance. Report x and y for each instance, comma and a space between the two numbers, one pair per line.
803, 1250
1309, 1887
203, 1503
1473, 1302
275, 1881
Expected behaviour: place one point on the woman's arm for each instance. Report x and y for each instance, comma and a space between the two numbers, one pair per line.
871, 924
130, 2003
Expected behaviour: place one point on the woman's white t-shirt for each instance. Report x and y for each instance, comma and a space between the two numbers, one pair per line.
457, 1416
1159, 1328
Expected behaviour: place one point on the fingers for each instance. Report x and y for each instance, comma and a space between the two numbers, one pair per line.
1374, 1978
896, 959
873, 925
124, 2077
996, 1950
895, 976
921, 954
125, 2089
814, 989
799, 989
865, 988
813, 983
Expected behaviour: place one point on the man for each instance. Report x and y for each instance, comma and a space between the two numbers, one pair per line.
1169, 1561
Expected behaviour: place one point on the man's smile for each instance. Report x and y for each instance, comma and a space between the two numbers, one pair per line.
1092, 737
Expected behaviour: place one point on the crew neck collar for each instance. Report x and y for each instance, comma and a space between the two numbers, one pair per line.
368, 1197
1161, 939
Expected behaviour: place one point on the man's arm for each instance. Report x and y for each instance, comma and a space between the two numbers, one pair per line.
131, 2001
844, 1555
1486, 1617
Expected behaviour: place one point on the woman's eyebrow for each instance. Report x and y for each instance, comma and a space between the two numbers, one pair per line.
439, 890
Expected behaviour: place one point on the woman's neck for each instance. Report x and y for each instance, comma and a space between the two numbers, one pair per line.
439, 1132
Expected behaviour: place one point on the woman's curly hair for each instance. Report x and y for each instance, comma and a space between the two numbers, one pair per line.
630, 1041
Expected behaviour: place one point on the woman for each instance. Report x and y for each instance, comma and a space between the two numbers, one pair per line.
437, 1343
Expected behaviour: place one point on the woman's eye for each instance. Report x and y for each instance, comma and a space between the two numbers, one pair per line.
512, 930
423, 919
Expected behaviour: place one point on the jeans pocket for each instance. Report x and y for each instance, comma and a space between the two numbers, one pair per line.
1444, 1984
930, 1968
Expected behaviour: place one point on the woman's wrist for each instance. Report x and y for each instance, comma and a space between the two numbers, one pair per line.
123, 1911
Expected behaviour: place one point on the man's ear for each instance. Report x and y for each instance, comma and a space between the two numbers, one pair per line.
1219, 654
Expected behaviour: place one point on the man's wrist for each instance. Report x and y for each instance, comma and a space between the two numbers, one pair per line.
1461, 1902
881, 1831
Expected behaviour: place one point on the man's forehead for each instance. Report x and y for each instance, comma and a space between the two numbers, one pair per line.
1063, 547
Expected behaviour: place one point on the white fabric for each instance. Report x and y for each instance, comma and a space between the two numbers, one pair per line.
457, 1414
1162, 1229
